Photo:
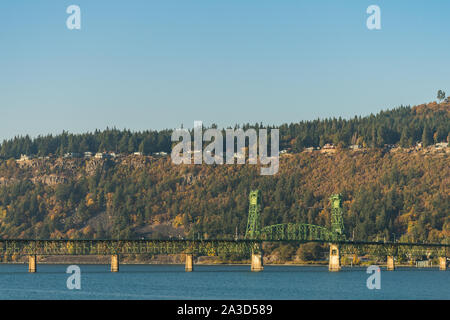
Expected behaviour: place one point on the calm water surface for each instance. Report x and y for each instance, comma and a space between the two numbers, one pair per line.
220, 282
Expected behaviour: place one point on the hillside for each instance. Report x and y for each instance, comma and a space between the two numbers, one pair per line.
394, 180
399, 194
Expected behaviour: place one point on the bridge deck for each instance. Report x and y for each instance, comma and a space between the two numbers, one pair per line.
208, 247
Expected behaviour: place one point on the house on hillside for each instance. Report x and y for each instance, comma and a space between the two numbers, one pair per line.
71, 155
441, 145
101, 155
329, 148
355, 147
25, 157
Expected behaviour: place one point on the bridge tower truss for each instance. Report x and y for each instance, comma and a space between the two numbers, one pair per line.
254, 215
337, 220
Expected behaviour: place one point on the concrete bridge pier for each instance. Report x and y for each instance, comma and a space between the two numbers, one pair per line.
390, 263
32, 263
257, 262
189, 267
442, 263
115, 263
335, 258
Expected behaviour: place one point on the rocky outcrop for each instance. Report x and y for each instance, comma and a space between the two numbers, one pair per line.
50, 179
93, 165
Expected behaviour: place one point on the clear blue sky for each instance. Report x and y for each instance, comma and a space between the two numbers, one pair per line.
156, 64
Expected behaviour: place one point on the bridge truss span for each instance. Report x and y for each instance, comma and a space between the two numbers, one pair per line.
298, 232
113, 247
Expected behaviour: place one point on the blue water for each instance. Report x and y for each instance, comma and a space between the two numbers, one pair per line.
220, 282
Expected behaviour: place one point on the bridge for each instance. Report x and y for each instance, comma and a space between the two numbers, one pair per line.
335, 237
251, 245
291, 231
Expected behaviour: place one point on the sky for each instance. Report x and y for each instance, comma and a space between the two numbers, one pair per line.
159, 64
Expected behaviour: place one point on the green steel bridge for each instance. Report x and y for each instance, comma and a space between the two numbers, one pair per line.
202, 247
255, 236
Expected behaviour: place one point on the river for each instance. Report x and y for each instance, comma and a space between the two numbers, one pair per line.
220, 282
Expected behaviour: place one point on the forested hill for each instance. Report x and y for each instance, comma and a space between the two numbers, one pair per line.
402, 195
429, 123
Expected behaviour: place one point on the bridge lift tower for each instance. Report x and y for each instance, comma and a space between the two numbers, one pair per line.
295, 231
337, 221
254, 215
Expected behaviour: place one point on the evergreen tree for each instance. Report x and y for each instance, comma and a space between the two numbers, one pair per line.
427, 138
